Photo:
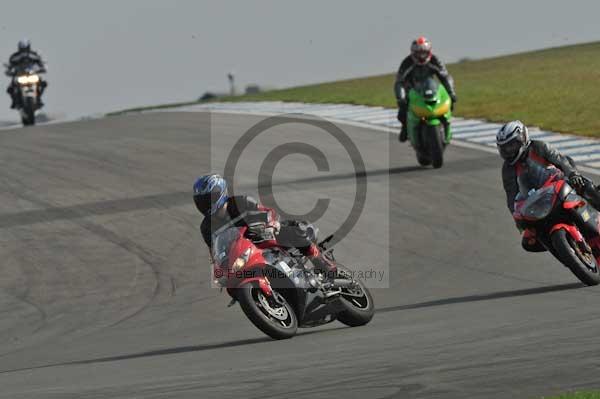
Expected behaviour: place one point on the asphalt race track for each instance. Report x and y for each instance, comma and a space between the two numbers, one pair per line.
104, 291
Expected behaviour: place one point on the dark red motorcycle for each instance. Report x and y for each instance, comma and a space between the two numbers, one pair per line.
565, 224
279, 292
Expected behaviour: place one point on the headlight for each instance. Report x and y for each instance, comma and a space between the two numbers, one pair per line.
240, 262
443, 108
421, 112
26, 79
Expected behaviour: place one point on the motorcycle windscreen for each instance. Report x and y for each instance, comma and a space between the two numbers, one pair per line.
539, 204
222, 241
429, 90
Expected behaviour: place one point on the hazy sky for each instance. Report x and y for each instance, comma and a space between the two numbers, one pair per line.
109, 54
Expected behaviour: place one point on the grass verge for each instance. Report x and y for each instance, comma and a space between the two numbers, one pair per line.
555, 89
577, 395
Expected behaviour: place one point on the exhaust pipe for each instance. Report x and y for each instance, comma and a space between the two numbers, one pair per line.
342, 283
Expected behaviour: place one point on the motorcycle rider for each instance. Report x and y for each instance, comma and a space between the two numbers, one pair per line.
528, 164
418, 66
213, 201
19, 60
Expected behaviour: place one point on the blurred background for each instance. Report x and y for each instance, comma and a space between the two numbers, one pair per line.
108, 55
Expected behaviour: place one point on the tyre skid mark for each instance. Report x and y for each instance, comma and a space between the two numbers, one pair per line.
128, 245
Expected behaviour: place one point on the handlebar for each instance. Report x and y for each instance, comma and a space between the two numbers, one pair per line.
30, 69
325, 241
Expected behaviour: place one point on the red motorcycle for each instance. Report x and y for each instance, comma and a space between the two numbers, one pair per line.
279, 292
565, 224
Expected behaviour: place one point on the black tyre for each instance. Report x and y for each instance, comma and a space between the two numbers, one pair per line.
272, 315
436, 145
28, 117
357, 301
581, 262
423, 159
421, 147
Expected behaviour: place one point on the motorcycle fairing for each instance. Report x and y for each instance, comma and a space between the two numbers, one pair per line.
429, 104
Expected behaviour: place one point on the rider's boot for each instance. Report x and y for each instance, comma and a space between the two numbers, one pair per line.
402, 118
403, 134
43, 86
10, 92
322, 264
530, 243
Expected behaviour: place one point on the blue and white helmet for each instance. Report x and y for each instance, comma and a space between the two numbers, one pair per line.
512, 141
210, 194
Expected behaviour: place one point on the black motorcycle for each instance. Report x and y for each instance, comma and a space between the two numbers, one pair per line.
27, 88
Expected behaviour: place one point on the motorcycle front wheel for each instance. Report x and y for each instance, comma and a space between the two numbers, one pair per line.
580, 261
423, 159
436, 144
272, 315
28, 112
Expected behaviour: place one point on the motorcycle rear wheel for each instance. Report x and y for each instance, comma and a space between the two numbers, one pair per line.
357, 301
276, 318
581, 263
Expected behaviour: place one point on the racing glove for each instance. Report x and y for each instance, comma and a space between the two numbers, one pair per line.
576, 180
454, 99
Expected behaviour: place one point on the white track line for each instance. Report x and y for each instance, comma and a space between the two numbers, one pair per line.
467, 133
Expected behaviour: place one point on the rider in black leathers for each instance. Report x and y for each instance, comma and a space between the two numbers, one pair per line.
19, 60
417, 67
219, 209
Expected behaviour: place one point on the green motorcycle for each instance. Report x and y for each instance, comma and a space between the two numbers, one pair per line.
428, 121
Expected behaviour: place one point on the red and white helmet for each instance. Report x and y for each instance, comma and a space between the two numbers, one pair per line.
420, 50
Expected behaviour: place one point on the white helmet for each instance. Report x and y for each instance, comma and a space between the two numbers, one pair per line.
512, 140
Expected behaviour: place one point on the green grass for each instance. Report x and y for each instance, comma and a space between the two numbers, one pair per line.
555, 89
577, 395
